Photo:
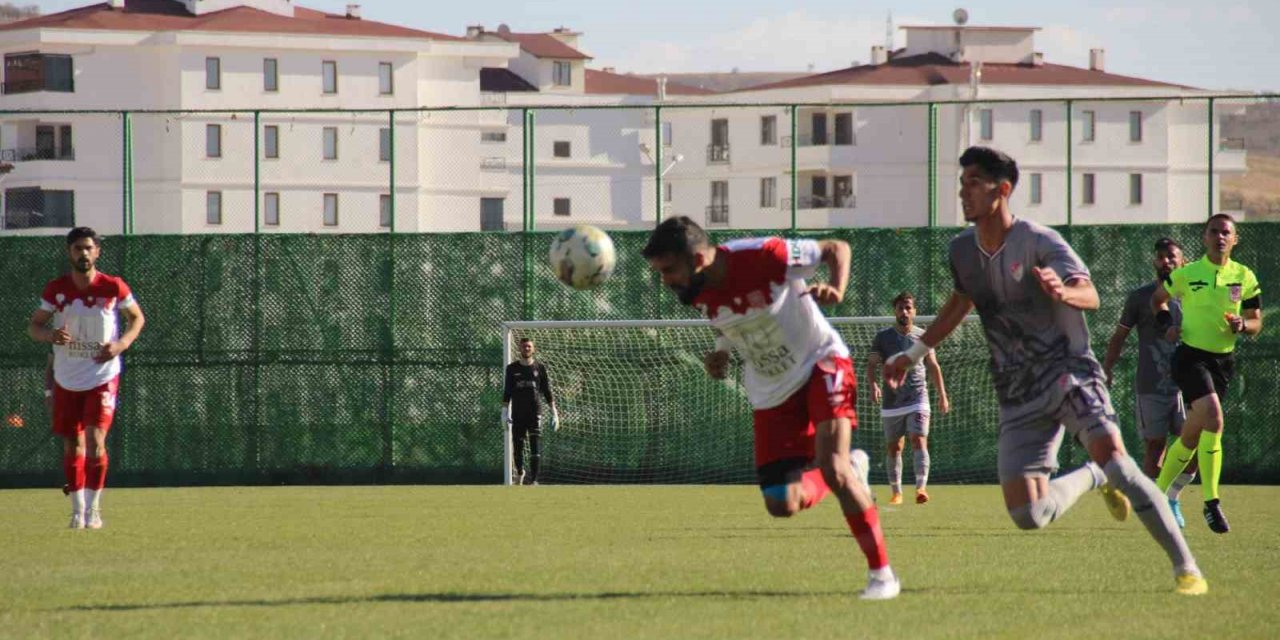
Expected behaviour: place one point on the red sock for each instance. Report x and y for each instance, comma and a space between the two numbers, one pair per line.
866, 530
95, 472
73, 467
814, 486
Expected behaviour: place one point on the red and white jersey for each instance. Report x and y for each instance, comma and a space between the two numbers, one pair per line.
763, 308
89, 315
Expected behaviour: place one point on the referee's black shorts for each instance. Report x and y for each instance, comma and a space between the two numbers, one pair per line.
1199, 373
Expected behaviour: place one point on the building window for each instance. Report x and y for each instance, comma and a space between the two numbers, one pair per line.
491, 215
1135, 188
562, 73
560, 206
1036, 186
667, 133
493, 136
768, 192
31, 207
668, 190
213, 141
271, 209
330, 143
386, 81
1089, 194
213, 73
719, 149
844, 129
986, 124
842, 192
768, 130
384, 210
330, 209
1135, 126
30, 72
718, 210
561, 149
329, 71
271, 141
819, 129
270, 74
213, 207
384, 144
1037, 125
1088, 128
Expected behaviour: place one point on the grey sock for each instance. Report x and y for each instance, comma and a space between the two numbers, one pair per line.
1064, 490
893, 463
1152, 509
921, 459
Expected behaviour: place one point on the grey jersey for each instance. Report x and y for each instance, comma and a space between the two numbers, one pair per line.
1035, 343
1155, 354
911, 394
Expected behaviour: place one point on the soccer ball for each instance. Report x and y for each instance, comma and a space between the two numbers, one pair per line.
582, 256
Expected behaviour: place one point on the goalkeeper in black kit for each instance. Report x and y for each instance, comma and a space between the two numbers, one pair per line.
525, 379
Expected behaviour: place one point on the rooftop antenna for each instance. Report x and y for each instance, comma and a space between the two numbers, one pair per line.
888, 32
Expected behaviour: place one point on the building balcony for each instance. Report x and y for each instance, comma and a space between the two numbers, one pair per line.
718, 214
37, 153
717, 153
805, 203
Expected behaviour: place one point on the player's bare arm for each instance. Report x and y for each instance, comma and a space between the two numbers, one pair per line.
837, 256
1115, 346
38, 329
1077, 292
949, 317
873, 375
133, 316
935, 378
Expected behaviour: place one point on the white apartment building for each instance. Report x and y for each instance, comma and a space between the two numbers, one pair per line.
867, 166
464, 170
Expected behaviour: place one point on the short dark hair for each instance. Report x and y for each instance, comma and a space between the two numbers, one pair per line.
1168, 244
996, 164
675, 236
524, 340
903, 297
83, 232
1218, 216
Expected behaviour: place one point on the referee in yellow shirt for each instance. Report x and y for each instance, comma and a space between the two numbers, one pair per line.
1220, 299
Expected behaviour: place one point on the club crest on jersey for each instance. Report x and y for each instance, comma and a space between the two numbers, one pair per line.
1235, 292
757, 300
1016, 270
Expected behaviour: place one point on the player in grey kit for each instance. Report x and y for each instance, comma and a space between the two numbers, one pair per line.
1031, 289
1158, 403
905, 411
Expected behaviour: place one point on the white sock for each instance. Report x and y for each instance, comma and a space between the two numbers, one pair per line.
92, 498
77, 501
1179, 483
883, 573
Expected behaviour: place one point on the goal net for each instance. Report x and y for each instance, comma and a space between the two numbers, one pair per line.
636, 406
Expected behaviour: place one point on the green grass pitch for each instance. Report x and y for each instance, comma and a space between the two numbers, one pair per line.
616, 563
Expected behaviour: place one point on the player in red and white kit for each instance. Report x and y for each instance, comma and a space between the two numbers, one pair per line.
87, 344
797, 370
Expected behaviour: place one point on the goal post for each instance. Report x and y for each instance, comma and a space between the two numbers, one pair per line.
636, 406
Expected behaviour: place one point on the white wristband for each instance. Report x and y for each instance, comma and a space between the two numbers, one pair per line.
723, 344
915, 353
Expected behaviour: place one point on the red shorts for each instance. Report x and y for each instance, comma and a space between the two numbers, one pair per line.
787, 430
73, 411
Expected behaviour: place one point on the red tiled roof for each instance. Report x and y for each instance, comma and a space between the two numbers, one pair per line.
937, 69
603, 82
541, 45
498, 79
168, 15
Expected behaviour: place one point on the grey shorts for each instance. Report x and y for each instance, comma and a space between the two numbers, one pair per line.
1031, 434
1160, 416
915, 423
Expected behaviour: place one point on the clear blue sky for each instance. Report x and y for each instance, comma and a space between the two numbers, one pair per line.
1231, 44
